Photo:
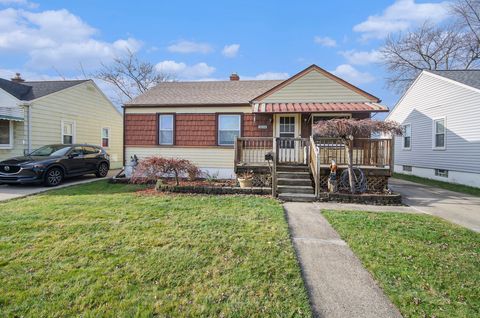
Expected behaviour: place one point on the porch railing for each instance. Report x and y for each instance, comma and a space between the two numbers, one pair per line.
314, 164
365, 151
251, 151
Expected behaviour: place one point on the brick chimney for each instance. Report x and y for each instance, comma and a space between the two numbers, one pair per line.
234, 77
17, 78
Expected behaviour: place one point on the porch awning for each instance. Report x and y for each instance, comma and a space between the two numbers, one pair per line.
11, 113
318, 107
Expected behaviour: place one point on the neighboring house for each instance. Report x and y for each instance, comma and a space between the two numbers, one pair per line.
33, 114
200, 121
440, 113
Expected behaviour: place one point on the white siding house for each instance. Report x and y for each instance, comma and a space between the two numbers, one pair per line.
34, 114
440, 113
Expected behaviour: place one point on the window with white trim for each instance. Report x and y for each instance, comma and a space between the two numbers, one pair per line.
407, 136
407, 168
6, 133
165, 129
228, 129
439, 132
68, 132
105, 137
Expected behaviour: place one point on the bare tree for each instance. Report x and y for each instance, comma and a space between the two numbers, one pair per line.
131, 76
453, 45
346, 129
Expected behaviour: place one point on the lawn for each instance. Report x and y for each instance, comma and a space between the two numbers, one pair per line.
103, 250
428, 267
440, 184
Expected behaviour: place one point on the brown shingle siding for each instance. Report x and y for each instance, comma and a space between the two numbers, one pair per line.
140, 129
250, 125
195, 130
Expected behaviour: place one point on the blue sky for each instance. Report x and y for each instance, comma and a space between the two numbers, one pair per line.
201, 40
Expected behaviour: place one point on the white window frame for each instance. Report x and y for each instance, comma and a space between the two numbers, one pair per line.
74, 130
218, 128
160, 130
403, 137
109, 136
434, 133
10, 133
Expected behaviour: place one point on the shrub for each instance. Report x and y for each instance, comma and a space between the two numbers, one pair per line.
150, 169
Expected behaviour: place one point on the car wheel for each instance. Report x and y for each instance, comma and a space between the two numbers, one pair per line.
53, 177
102, 170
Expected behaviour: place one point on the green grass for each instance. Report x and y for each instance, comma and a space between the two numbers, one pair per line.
101, 250
428, 267
440, 184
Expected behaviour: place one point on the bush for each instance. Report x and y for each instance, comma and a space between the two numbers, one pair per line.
150, 169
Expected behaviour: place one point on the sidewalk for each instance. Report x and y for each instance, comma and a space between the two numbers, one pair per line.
337, 283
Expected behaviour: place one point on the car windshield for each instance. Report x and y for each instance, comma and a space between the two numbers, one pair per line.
50, 151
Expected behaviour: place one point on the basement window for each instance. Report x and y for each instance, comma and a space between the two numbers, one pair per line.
407, 168
441, 173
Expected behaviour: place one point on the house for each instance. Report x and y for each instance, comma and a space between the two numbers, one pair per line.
36, 113
440, 113
226, 127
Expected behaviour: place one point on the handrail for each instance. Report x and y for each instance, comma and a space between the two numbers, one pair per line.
314, 164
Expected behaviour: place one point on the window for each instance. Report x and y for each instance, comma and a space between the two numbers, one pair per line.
6, 134
88, 150
407, 168
439, 133
106, 137
287, 127
441, 173
407, 136
228, 129
68, 132
165, 129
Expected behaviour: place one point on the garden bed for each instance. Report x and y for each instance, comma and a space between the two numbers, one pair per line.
363, 198
212, 189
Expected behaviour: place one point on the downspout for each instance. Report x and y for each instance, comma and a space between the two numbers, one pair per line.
28, 118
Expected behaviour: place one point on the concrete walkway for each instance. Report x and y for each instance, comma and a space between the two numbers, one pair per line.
462, 209
8, 192
338, 284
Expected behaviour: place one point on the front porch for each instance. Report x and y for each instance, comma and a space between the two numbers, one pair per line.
288, 158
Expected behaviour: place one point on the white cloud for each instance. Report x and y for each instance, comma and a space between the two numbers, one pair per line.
351, 74
183, 46
400, 16
20, 3
362, 57
183, 71
231, 50
325, 41
56, 38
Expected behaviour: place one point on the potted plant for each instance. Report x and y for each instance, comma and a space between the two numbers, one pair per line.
245, 179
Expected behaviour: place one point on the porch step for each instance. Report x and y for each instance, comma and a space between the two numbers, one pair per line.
293, 175
295, 189
296, 197
299, 168
295, 181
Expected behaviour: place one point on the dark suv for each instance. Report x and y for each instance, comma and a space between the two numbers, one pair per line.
51, 164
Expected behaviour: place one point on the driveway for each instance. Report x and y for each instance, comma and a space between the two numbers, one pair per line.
459, 208
8, 192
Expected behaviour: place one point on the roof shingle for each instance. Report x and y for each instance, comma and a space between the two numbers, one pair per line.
467, 77
36, 89
203, 93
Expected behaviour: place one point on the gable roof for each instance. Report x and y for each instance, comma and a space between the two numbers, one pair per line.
467, 77
203, 93
327, 74
35, 89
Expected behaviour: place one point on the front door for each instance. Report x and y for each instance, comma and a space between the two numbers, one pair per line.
289, 145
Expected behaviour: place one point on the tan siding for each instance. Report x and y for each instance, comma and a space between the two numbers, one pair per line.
189, 110
203, 157
90, 110
314, 87
18, 146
